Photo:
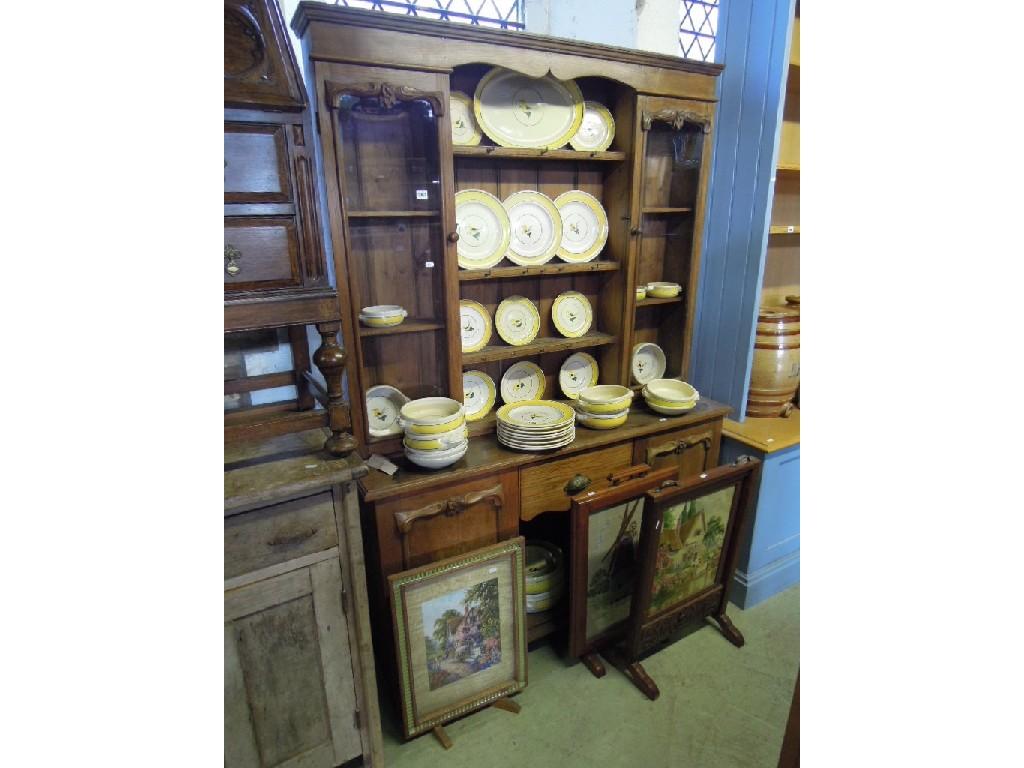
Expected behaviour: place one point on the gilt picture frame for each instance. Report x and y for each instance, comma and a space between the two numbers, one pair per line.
460, 634
688, 544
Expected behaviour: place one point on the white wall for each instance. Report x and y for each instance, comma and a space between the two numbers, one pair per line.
648, 25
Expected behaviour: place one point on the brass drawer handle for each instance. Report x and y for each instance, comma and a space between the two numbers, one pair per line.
578, 484
291, 541
232, 255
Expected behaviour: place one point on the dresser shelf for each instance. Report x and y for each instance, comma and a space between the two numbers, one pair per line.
519, 153
562, 268
540, 346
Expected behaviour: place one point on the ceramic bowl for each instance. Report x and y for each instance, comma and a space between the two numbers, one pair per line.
676, 410
641, 292
436, 459
388, 321
670, 391
383, 310
663, 290
545, 568
605, 399
432, 415
442, 441
602, 421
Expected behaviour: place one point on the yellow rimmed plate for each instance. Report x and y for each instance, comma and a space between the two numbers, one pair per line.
478, 394
383, 406
475, 325
465, 131
584, 226
483, 227
530, 414
597, 129
515, 110
536, 228
517, 320
572, 314
522, 381
578, 372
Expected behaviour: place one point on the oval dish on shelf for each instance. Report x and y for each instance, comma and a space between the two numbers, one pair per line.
519, 111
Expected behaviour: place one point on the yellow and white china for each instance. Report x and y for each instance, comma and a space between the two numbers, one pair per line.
383, 404
382, 322
536, 228
517, 320
519, 111
602, 421
545, 567
432, 415
477, 394
535, 414
522, 381
572, 314
605, 398
641, 292
669, 410
437, 459
648, 362
465, 132
671, 391
597, 129
663, 290
475, 324
440, 442
483, 228
382, 316
578, 372
584, 226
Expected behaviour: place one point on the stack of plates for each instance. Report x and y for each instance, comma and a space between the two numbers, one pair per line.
545, 576
435, 431
670, 396
536, 425
605, 406
382, 316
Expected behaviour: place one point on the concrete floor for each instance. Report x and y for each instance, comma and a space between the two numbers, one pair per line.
720, 706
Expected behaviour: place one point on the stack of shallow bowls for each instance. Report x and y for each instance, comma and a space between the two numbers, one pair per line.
663, 290
435, 431
670, 396
382, 315
535, 425
545, 576
605, 406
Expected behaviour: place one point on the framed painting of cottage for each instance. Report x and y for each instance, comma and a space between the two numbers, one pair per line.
688, 543
603, 559
460, 634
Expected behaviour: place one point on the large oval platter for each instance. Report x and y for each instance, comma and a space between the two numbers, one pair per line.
519, 111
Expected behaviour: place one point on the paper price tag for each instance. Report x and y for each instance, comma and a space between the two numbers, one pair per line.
422, 194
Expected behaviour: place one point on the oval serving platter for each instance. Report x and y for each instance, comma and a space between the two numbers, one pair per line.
519, 111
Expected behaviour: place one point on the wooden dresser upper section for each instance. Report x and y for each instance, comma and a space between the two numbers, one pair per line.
259, 66
347, 35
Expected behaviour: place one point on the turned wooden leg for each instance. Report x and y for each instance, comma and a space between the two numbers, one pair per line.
507, 704
728, 629
593, 662
330, 359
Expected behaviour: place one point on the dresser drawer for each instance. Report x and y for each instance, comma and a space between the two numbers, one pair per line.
260, 252
542, 487
256, 164
692, 450
278, 533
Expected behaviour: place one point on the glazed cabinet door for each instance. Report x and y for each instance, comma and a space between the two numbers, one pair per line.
289, 698
391, 195
672, 177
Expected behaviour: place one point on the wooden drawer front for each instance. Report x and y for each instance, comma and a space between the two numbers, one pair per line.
693, 450
543, 486
256, 164
264, 248
447, 521
275, 534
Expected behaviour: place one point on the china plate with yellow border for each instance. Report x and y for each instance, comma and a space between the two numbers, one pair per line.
572, 314
478, 394
532, 414
465, 131
475, 325
648, 362
578, 372
523, 381
536, 228
584, 226
483, 228
383, 405
597, 129
515, 110
517, 320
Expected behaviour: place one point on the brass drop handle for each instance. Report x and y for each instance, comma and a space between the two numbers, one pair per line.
453, 237
291, 541
232, 255
577, 484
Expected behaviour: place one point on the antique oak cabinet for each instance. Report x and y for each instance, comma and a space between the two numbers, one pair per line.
382, 86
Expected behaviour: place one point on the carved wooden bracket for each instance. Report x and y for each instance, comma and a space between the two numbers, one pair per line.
387, 93
676, 118
683, 444
450, 507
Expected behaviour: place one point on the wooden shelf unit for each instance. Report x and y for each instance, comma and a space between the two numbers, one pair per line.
409, 326
539, 346
560, 268
520, 153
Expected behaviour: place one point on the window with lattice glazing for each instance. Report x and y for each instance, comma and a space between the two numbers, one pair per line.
503, 14
698, 23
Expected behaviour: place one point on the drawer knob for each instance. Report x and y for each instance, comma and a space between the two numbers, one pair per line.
577, 484
231, 256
